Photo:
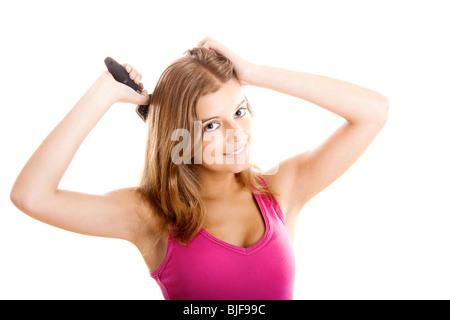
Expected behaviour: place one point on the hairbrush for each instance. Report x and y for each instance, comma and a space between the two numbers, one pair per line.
121, 75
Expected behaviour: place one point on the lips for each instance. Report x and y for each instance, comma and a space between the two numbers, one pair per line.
238, 151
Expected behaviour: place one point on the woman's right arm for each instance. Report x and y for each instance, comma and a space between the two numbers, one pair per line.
35, 191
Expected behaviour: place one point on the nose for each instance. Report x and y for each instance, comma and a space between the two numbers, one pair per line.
235, 134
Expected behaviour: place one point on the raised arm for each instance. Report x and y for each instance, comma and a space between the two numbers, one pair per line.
35, 191
364, 110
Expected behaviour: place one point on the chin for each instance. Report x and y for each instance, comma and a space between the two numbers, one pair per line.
227, 168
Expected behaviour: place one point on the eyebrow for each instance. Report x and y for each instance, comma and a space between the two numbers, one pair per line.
203, 121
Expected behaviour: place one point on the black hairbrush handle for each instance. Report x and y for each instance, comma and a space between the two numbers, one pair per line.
121, 75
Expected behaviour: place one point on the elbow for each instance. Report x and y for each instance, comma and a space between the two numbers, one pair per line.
16, 198
381, 111
30, 197
22, 200
19, 199
385, 108
374, 113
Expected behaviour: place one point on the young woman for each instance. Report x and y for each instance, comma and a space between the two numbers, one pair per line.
209, 225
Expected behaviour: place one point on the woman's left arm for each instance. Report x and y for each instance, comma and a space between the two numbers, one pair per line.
308, 173
357, 105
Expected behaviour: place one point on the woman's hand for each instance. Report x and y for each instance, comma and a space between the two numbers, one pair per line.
123, 93
242, 67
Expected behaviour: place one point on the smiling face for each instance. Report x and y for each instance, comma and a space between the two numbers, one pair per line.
226, 126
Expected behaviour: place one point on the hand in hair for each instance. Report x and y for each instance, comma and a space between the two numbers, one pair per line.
241, 67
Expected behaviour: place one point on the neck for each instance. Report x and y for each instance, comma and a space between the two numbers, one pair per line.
218, 185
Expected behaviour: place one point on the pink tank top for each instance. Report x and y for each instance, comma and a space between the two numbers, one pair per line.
211, 269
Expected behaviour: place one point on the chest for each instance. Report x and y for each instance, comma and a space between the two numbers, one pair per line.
210, 269
238, 222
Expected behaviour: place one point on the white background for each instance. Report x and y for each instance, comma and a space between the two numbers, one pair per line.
380, 232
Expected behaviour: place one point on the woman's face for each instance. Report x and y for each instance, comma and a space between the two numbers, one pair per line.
226, 126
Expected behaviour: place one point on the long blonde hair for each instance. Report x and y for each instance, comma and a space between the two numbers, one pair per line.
173, 190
